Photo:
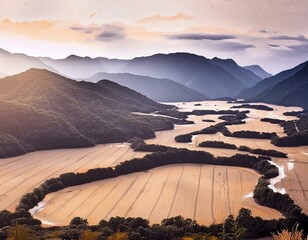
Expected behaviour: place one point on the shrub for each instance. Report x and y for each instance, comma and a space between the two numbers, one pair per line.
183, 138
217, 144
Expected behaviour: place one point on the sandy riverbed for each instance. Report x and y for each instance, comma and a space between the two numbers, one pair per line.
19, 175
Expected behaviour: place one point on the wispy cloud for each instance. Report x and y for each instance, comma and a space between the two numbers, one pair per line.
159, 18
299, 37
263, 30
199, 36
104, 33
40, 30
111, 32
273, 45
86, 29
299, 48
234, 46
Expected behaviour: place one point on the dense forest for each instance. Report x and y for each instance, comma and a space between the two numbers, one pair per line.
44, 110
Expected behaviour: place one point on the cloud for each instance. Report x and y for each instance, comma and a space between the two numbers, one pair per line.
159, 18
111, 32
26, 28
86, 29
233, 46
41, 30
263, 30
104, 33
199, 36
273, 45
299, 37
299, 48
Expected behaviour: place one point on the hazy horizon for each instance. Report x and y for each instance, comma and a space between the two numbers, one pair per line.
249, 32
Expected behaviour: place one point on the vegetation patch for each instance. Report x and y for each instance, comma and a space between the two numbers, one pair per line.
272, 120
208, 120
296, 113
214, 112
217, 144
258, 107
271, 152
297, 132
185, 138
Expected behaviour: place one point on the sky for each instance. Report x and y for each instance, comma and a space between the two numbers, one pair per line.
271, 33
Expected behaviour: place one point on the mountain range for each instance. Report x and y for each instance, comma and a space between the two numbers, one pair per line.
195, 72
211, 77
269, 82
13, 63
169, 77
247, 77
292, 91
160, 90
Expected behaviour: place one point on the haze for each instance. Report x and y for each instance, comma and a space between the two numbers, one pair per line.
251, 32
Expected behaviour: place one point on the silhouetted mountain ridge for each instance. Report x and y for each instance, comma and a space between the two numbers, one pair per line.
269, 82
13, 63
247, 77
259, 71
161, 90
196, 72
292, 91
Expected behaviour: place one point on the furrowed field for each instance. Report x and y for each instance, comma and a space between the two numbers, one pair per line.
205, 193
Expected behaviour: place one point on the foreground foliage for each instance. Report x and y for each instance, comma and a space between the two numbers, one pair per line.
294, 234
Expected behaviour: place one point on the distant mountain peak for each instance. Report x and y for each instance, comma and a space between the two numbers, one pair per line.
291, 91
223, 59
73, 56
258, 70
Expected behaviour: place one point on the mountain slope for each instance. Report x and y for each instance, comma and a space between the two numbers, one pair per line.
256, 69
194, 71
161, 90
13, 63
54, 110
290, 92
269, 82
247, 77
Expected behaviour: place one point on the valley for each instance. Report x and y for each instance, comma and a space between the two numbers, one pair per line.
23, 173
153, 120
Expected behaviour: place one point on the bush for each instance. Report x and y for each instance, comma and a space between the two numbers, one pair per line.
208, 120
258, 107
253, 134
217, 144
295, 140
208, 130
272, 120
183, 138
78, 221
244, 148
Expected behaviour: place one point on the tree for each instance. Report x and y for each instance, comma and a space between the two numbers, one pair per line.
89, 235
21, 232
231, 230
118, 236
79, 221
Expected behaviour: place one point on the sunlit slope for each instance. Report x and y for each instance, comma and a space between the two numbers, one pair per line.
42, 106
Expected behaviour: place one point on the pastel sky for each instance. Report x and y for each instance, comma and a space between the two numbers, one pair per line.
271, 33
